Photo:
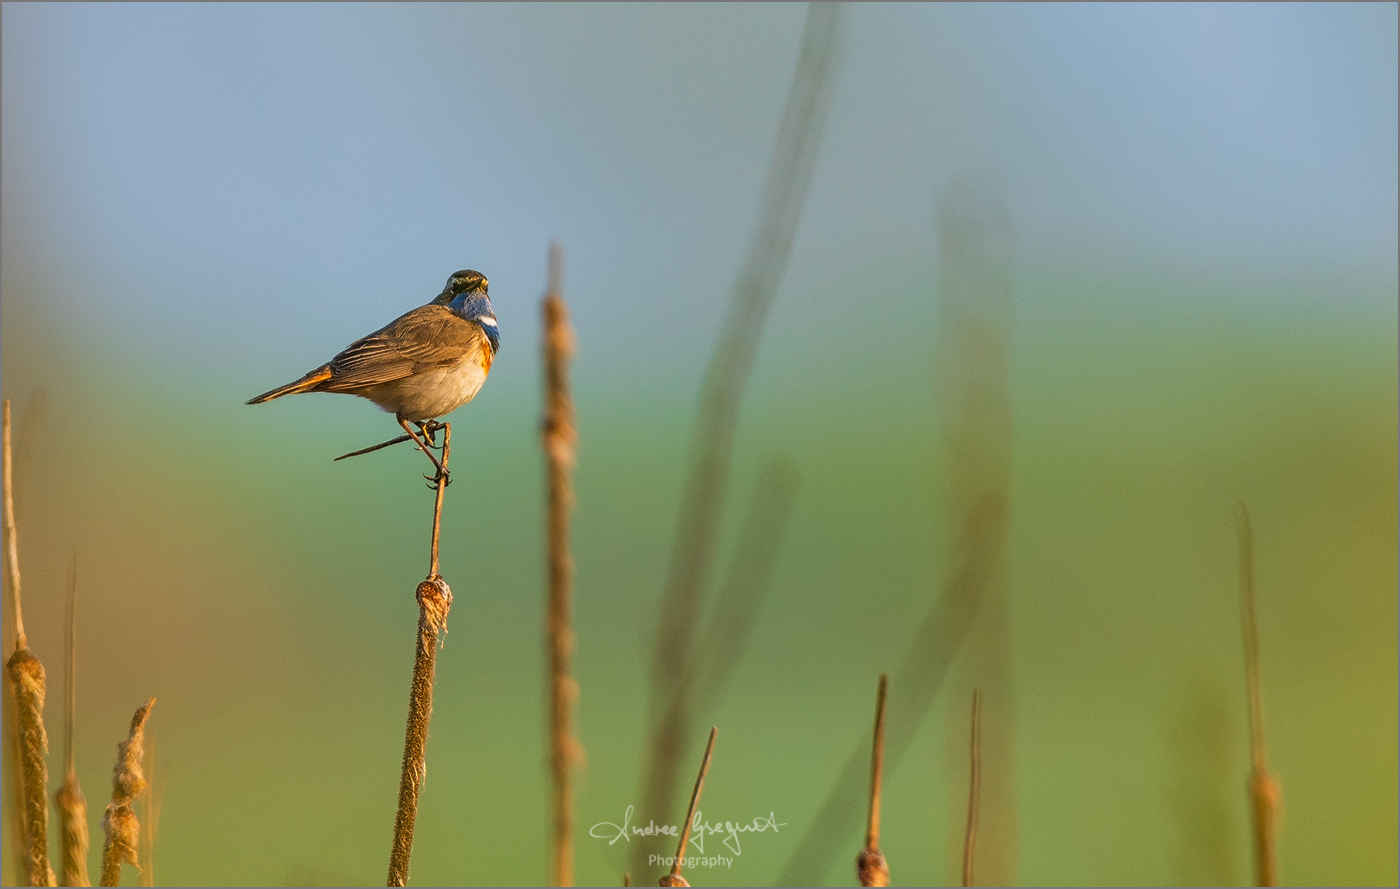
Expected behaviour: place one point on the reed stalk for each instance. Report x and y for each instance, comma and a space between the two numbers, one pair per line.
974, 788
871, 867
72, 805
674, 878
26, 675
1264, 789
120, 824
434, 601
558, 437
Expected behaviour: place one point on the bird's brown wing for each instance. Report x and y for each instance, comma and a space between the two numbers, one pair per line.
428, 337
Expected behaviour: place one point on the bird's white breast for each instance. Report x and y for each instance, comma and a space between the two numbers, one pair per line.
432, 393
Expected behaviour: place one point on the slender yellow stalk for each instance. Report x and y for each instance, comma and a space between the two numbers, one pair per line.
27, 679
674, 878
1264, 790
72, 805
434, 601
120, 825
974, 787
871, 867
559, 436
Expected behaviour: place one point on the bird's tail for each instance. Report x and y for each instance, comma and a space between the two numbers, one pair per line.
307, 383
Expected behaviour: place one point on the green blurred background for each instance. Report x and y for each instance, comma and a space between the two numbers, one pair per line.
201, 202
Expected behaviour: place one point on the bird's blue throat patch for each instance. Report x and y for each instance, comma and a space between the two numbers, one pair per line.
476, 307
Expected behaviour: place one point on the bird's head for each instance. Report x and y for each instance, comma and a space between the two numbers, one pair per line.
465, 294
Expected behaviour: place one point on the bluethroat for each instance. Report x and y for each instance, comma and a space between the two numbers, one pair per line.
422, 365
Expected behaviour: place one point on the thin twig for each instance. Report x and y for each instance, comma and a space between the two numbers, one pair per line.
120, 825
674, 878
871, 867
974, 787
1264, 788
72, 805
372, 448
558, 436
434, 601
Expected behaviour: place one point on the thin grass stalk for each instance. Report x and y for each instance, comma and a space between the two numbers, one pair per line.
1264, 790
72, 805
559, 436
871, 867
674, 878
434, 602
120, 825
974, 788
702, 501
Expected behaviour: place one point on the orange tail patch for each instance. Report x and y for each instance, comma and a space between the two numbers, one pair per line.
307, 383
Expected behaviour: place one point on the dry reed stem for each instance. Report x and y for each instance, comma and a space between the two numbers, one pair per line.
27, 679
916, 684
674, 878
1264, 790
150, 824
974, 786
702, 502
120, 825
558, 436
871, 867
434, 602
72, 815
437, 500
11, 538
72, 805
27, 676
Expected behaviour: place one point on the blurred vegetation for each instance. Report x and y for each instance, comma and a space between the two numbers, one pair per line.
273, 593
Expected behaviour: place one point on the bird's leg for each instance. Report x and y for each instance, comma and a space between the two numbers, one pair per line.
441, 477
429, 429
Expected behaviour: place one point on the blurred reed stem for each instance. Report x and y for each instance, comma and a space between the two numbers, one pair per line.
72, 805
559, 437
120, 824
1264, 790
703, 498
974, 787
871, 867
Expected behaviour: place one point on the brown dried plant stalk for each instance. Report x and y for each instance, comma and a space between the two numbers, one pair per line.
120, 825
150, 823
674, 878
974, 788
871, 867
72, 805
434, 601
1264, 790
559, 436
27, 678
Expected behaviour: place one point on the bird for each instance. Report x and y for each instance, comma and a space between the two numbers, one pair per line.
423, 365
